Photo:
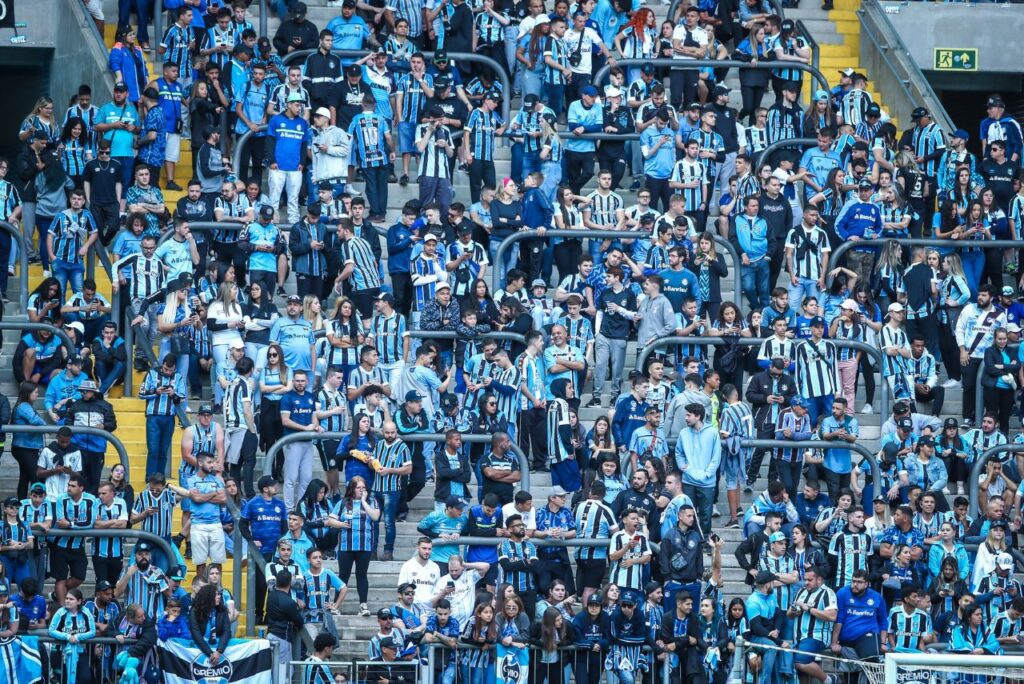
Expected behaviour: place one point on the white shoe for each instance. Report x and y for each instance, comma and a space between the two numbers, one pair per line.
46, 274
945, 490
714, 512
959, 488
10, 270
867, 409
951, 383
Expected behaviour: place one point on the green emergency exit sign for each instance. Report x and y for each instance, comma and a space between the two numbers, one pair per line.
955, 59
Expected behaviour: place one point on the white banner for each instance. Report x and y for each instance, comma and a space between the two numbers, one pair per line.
245, 661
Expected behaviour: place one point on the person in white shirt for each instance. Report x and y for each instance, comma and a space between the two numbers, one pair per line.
689, 42
459, 587
522, 505
421, 572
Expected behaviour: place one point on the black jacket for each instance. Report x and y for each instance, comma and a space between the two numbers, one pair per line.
758, 389
283, 618
306, 32
749, 552
25, 174
222, 629
993, 359
445, 473
778, 213
681, 558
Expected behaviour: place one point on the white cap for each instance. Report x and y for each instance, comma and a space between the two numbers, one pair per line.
442, 286
323, 111
430, 236
612, 91
236, 344
77, 327
895, 306
849, 304
541, 19
1004, 561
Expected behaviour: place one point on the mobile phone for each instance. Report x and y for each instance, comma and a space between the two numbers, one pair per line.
451, 584
636, 538
714, 537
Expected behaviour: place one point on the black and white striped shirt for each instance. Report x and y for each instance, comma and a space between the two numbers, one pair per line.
816, 367
604, 208
809, 247
239, 393
358, 252
509, 404
434, 160
387, 332
773, 348
808, 626
851, 551
147, 275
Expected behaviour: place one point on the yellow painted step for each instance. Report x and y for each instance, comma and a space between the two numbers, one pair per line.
848, 27
843, 15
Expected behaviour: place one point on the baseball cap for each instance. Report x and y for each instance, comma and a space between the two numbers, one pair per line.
454, 502
1007, 291
267, 211
492, 95
589, 90
817, 320
12, 501
295, 97
905, 423
848, 72
629, 598
88, 386
721, 89
764, 577
865, 184
441, 82
612, 91
788, 25
5, 588
951, 423
558, 490
104, 585
1004, 561
647, 69
266, 481
821, 96
323, 111
874, 110
530, 100
386, 297
349, 3
143, 546
294, 299
440, 56
926, 441
76, 361
263, 43
539, 282
995, 101
299, 9
353, 70
895, 306
413, 395
205, 409
429, 236
449, 401
442, 286
918, 113
385, 614
38, 487
880, 499
998, 523
120, 85
777, 537
236, 344
594, 600
1012, 328
849, 304
797, 400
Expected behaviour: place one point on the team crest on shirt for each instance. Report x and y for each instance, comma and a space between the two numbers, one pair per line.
871, 601
691, 544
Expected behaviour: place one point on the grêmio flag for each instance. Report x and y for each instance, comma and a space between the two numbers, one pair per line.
248, 661
6, 14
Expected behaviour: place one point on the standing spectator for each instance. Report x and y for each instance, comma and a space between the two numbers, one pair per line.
807, 254
286, 153
1000, 380
205, 490
616, 308
263, 521
104, 187
517, 557
74, 509
297, 409
72, 625
373, 152
26, 447
162, 389
91, 410
817, 378
975, 333
284, 621
70, 235
698, 455
555, 521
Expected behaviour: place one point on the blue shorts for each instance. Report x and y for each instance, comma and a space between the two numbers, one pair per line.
734, 473
810, 646
407, 138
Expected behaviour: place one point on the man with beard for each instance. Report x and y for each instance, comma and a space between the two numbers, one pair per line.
144, 583
861, 624
206, 492
517, 557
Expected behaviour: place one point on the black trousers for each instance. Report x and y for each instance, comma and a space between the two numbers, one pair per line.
243, 470
776, 259
252, 160
533, 434
361, 561
928, 328
27, 460
401, 283
550, 569
660, 191
579, 169
937, 396
108, 220
752, 96
531, 258
417, 479
229, 254
950, 352
970, 388
307, 284
868, 374
834, 482
754, 468
614, 160
92, 468
108, 569
567, 257
684, 87
481, 175
999, 400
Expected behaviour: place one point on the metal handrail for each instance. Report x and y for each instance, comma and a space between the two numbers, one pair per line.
820, 445
202, 227
236, 156
802, 32
781, 144
497, 69
78, 430
126, 532
846, 246
979, 467
158, 27
452, 335
29, 325
23, 245
268, 459
689, 64
263, 18
646, 351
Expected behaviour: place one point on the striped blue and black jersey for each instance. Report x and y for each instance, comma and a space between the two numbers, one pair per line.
807, 625
365, 275
369, 146
70, 230
907, 629
689, 171
710, 141
559, 53
146, 588
929, 141
160, 522
854, 107
16, 531
204, 441
394, 455
328, 399
388, 333
215, 37
413, 97
237, 395
850, 550
65, 623
788, 46
11, 200
509, 403
360, 534
321, 589
234, 208
427, 272
72, 156
779, 565
521, 580
411, 11
481, 128
488, 29
110, 547
162, 404
81, 514
435, 161
176, 41
594, 520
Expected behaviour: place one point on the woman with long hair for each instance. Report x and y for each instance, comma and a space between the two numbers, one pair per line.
962, 192
25, 447
45, 301
126, 60
214, 576
954, 453
315, 507
915, 187
949, 583
74, 149
208, 622
363, 439
225, 320
1001, 373
820, 116
972, 637
40, 120
506, 218
476, 664
729, 356
355, 518
870, 316
805, 554
203, 115
988, 550
710, 270
999, 228
530, 53
753, 82
637, 39
556, 597
567, 251
175, 321
259, 314
601, 441
549, 633
895, 214
954, 294
72, 626
551, 150
479, 299
122, 488
975, 228
831, 198
513, 623
947, 547
887, 281
707, 632
274, 382
345, 335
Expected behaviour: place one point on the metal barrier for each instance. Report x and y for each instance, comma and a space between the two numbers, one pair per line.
202, 227
846, 246
819, 445
979, 466
126, 532
268, 459
805, 34
450, 335
586, 233
29, 325
456, 57
875, 353
783, 144
122, 453
691, 64
23, 245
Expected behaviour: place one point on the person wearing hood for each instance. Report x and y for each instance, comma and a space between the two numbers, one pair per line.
565, 471
628, 631
91, 410
590, 633
51, 186
698, 454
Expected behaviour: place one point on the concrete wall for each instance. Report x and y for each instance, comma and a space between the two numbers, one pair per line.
65, 28
994, 29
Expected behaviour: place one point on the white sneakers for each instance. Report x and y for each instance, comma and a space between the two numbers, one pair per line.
951, 383
867, 409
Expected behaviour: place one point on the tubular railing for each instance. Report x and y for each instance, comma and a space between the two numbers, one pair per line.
29, 325
979, 467
802, 32
268, 459
202, 227
124, 533
23, 244
894, 70
122, 453
457, 57
819, 445
781, 145
451, 335
846, 246
777, 8
689, 64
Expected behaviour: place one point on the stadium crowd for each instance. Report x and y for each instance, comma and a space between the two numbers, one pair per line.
288, 319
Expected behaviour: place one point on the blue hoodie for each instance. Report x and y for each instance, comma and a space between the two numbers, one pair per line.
860, 219
698, 453
399, 248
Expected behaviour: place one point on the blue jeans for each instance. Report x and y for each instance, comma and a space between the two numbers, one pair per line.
819, 406
159, 431
754, 280
65, 272
110, 375
767, 660
531, 163
974, 265
389, 502
703, 500
476, 675
805, 287
552, 177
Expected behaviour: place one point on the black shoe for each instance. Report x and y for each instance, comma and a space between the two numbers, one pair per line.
594, 403
635, 186
281, 292
188, 550
171, 185
392, 178
197, 396
401, 518
217, 408
178, 538
404, 180
733, 524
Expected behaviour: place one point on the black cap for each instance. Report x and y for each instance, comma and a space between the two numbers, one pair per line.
817, 320
918, 113
263, 43
905, 423
865, 184
647, 69
995, 101
788, 25
267, 212
12, 501
120, 85
386, 297
294, 299
266, 481
530, 101
874, 110
353, 70
926, 441
454, 502
951, 423
440, 56
384, 614
594, 600
998, 523
721, 89
299, 9
143, 546
449, 400
764, 577
441, 82
104, 585
629, 597
205, 409
388, 642
350, 4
